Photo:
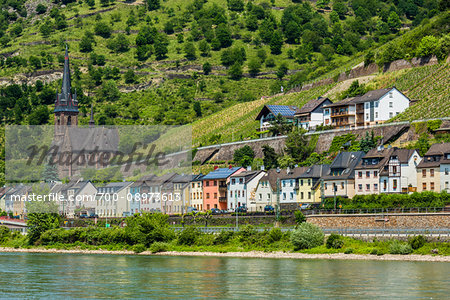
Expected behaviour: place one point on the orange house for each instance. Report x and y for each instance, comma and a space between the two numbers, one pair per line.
215, 189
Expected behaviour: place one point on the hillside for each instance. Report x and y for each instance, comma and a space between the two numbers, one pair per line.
175, 62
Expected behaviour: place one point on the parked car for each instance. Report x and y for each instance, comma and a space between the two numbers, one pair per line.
192, 210
269, 208
241, 209
215, 211
305, 206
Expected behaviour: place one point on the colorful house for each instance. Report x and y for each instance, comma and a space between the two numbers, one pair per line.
311, 114
309, 184
399, 175
429, 175
269, 112
266, 191
112, 201
367, 172
215, 187
242, 189
340, 179
196, 198
289, 187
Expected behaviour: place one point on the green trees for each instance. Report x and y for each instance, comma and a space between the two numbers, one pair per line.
198, 109
270, 157
276, 43
394, 22
206, 68
41, 8
190, 51
119, 44
129, 77
102, 29
233, 55
204, 48
235, 5
279, 126
223, 35
428, 46
244, 156
368, 142
297, 145
235, 71
254, 66
86, 42
153, 4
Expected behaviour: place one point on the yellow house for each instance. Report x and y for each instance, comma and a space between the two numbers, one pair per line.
429, 169
340, 179
309, 184
196, 193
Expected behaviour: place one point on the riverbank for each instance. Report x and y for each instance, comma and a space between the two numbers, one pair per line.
249, 254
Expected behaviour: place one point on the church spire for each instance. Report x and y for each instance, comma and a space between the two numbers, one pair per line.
91, 121
66, 100
65, 90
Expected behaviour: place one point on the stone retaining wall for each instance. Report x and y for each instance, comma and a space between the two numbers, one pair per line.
410, 220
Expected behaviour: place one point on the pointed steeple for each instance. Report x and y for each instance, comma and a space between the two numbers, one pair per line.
66, 100
91, 121
65, 90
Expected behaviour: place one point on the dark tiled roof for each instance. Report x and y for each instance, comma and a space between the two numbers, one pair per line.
248, 175
94, 138
271, 176
346, 161
311, 105
346, 101
436, 150
372, 95
315, 171
66, 100
381, 155
293, 173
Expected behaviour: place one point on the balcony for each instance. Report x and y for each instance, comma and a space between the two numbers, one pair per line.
223, 199
342, 114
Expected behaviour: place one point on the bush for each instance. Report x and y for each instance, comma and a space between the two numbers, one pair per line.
247, 233
299, 217
334, 241
307, 236
188, 236
5, 233
159, 247
398, 247
349, 251
138, 248
374, 251
223, 237
275, 234
417, 242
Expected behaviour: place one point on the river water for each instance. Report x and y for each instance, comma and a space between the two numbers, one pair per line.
35, 275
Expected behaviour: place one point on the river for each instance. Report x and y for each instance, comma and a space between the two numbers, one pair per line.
36, 275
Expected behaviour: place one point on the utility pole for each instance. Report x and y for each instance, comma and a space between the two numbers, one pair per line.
277, 206
236, 211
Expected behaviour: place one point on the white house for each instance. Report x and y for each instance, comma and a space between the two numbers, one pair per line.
266, 191
311, 114
382, 105
399, 173
112, 200
288, 187
242, 189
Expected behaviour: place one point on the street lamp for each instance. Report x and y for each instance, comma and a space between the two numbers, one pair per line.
335, 190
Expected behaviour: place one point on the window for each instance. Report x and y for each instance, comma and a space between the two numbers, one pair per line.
367, 187
367, 116
233, 181
359, 187
291, 195
301, 195
207, 196
260, 196
391, 114
431, 172
239, 193
424, 173
367, 105
215, 182
207, 183
291, 182
385, 184
309, 182
375, 186
376, 103
231, 194
241, 180
359, 174
375, 174
446, 171
391, 104
326, 186
309, 195
432, 186
367, 174
284, 196
376, 115
301, 182
394, 184
215, 195
342, 185
268, 196
424, 186
394, 169
284, 183
446, 185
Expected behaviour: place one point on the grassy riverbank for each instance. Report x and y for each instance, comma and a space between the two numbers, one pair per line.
151, 232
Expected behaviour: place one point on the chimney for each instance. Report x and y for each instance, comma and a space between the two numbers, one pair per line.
215, 168
230, 167
262, 168
278, 169
288, 170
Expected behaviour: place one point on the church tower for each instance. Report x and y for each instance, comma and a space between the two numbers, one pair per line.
66, 104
